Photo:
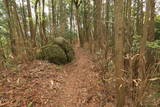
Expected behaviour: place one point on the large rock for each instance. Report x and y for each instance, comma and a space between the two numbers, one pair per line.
66, 47
59, 52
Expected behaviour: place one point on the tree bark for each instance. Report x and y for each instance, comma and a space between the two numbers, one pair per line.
31, 24
11, 28
119, 52
98, 24
77, 4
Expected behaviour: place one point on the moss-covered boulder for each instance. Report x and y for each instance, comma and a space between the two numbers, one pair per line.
58, 51
53, 53
66, 47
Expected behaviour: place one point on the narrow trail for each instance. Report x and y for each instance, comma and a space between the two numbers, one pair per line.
80, 82
43, 84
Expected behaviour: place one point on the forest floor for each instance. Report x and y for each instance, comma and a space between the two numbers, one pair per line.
42, 84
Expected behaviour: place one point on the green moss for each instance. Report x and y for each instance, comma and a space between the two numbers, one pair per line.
58, 51
54, 54
66, 47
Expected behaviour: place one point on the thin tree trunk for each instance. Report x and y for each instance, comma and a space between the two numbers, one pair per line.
71, 16
119, 52
78, 20
44, 21
98, 24
150, 53
11, 28
53, 18
79, 29
31, 24
24, 20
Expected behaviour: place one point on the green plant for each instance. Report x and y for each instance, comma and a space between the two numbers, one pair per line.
157, 27
155, 44
136, 43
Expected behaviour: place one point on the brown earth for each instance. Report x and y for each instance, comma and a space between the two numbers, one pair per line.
41, 84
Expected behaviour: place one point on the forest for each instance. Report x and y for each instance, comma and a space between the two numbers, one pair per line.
79, 53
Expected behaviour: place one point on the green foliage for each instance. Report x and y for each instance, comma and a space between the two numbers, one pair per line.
11, 64
157, 27
70, 35
155, 44
3, 21
136, 43
4, 30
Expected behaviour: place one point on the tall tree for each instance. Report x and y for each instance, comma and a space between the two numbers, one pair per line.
53, 17
77, 4
151, 33
31, 24
98, 24
62, 16
119, 52
24, 18
11, 27
148, 30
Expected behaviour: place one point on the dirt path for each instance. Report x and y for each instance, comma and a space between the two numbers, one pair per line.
80, 82
42, 84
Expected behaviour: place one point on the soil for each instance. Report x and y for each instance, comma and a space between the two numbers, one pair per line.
42, 84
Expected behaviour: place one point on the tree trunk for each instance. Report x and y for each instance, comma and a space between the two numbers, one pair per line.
150, 37
44, 20
98, 24
24, 20
119, 52
11, 28
78, 20
31, 24
53, 18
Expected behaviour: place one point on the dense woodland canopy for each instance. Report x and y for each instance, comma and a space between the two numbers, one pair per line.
123, 35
